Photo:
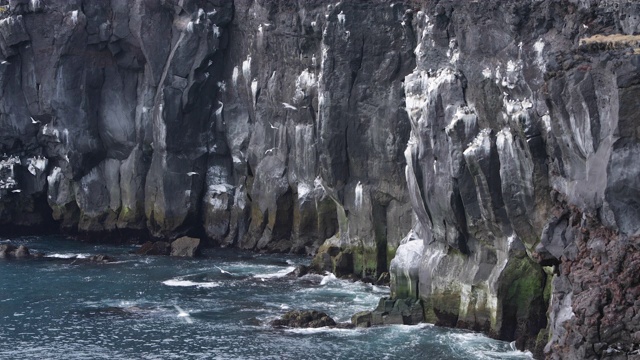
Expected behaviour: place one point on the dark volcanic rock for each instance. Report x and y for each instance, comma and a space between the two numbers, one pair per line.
95, 259
154, 248
185, 246
304, 319
390, 312
173, 124
299, 271
488, 137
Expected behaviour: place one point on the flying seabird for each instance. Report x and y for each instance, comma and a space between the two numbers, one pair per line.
272, 126
191, 173
16, 191
34, 121
268, 151
222, 270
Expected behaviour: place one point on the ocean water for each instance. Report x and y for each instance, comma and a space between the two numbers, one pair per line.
216, 307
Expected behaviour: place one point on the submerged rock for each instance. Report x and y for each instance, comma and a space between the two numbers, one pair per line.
304, 319
154, 248
186, 247
115, 311
94, 259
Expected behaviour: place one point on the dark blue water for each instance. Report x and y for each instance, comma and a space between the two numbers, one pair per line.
137, 309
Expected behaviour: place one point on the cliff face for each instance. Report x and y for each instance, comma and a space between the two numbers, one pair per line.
519, 171
495, 140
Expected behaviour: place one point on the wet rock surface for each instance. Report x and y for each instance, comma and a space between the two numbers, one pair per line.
94, 259
154, 248
488, 147
391, 312
304, 319
10, 251
185, 247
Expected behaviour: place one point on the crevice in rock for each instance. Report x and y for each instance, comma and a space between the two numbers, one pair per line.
282, 228
379, 213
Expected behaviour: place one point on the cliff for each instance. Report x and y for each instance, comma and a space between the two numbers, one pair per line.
487, 147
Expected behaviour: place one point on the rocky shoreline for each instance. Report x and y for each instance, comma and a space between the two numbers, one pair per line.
482, 153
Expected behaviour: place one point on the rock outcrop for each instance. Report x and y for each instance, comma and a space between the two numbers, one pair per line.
185, 247
154, 248
304, 319
404, 311
94, 259
487, 147
10, 251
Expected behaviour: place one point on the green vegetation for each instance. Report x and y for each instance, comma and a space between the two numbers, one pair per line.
523, 282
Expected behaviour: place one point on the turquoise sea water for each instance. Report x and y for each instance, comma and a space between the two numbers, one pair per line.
216, 307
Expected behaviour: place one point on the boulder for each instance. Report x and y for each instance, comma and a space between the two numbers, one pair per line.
8, 251
345, 325
154, 248
390, 312
186, 247
361, 319
299, 271
304, 319
21, 252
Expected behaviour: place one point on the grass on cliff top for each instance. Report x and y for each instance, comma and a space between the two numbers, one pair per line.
615, 41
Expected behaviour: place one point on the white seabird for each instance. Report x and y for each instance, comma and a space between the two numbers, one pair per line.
222, 270
191, 173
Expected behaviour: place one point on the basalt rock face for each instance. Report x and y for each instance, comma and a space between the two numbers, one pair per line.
520, 173
495, 140
257, 124
106, 109
315, 128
